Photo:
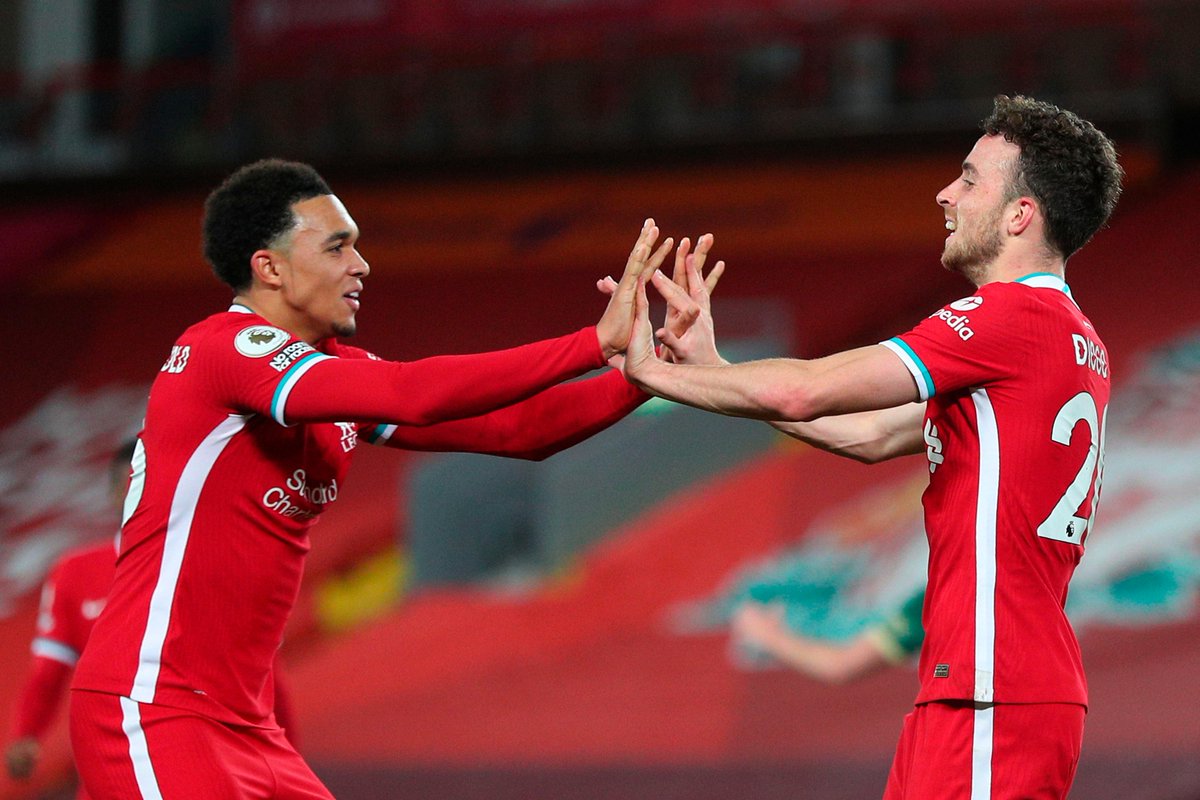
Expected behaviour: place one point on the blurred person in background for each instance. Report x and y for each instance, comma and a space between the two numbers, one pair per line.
763, 628
250, 427
1006, 392
73, 596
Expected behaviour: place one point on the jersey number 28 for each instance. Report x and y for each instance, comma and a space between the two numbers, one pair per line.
1065, 523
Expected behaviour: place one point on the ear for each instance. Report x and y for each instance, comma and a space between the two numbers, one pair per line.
264, 267
1022, 213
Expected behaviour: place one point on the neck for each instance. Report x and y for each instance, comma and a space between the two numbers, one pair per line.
1012, 264
269, 307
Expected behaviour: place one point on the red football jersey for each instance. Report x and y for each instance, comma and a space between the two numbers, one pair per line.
1017, 384
72, 598
240, 453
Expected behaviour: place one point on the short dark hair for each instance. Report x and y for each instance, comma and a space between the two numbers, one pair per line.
250, 210
1066, 164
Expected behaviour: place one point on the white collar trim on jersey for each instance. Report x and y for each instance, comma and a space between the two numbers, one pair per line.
1046, 280
238, 308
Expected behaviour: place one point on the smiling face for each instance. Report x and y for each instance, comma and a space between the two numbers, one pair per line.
974, 205
318, 270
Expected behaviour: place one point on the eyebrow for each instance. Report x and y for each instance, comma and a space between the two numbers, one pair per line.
969, 167
339, 236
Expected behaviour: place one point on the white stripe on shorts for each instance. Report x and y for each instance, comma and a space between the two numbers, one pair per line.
981, 752
139, 750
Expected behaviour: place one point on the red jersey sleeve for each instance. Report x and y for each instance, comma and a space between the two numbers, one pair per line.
533, 429
971, 342
55, 653
40, 696
57, 638
263, 369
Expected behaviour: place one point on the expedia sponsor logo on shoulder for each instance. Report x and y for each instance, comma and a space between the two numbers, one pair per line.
967, 303
959, 323
290, 354
259, 340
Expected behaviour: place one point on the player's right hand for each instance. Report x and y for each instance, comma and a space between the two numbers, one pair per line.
21, 757
688, 332
760, 625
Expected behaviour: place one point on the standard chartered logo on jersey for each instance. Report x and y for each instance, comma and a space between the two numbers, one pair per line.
283, 499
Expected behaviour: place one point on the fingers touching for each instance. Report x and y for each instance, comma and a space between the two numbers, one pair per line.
678, 300
686, 291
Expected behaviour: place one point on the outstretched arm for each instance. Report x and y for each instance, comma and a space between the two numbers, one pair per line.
789, 390
868, 436
568, 413
533, 429
320, 388
762, 627
38, 701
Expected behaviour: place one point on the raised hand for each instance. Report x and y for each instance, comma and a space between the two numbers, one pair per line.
640, 355
687, 263
688, 324
760, 625
613, 329
688, 332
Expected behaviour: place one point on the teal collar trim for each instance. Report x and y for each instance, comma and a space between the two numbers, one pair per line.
1046, 280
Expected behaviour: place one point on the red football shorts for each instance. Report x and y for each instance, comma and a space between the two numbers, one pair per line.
985, 751
124, 749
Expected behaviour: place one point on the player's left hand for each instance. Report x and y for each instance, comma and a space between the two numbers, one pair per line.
640, 356
614, 327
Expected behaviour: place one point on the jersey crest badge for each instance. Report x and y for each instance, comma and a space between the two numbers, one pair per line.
259, 340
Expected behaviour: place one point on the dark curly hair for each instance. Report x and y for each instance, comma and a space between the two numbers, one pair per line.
250, 210
1066, 164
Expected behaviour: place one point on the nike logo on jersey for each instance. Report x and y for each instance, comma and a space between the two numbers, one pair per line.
91, 608
349, 435
933, 446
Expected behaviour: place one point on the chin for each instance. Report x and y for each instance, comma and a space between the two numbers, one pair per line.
345, 330
971, 269
950, 260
